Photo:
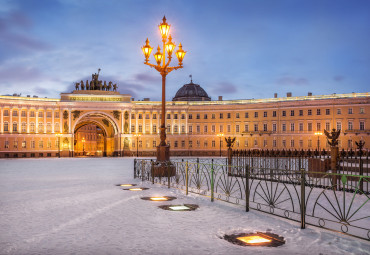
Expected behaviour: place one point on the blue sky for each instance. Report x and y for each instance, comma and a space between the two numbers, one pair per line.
238, 49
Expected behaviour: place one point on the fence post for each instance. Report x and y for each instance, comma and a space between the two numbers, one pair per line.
212, 183
152, 171
303, 198
135, 168
168, 174
361, 173
246, 188
142, 170
187, 177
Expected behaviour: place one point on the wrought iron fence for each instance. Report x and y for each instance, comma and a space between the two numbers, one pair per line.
292, 193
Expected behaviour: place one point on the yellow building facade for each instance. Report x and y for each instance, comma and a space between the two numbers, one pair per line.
108, 122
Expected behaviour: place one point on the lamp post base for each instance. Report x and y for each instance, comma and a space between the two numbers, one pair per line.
163, 166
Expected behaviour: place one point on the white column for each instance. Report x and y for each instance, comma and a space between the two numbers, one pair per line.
52, 120
129, 128
37, 120
151, 122
19, 120
144, 123
122, 122
70, 122
137, 121
28, 120
11, 120
44, 120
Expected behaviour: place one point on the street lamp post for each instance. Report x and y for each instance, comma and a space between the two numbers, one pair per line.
220, 135
137, 144
58, 135
163, 150
83, 146
318, 140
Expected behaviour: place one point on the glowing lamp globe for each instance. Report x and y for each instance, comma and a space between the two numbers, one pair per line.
180, 53
158, 56
170, 46
164, 28
146, 49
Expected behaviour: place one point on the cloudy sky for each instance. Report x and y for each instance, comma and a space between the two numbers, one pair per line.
238, 49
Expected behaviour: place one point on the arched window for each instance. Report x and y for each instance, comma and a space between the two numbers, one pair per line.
6, 126
56, 127
24, 127
41, 127
32, 127
48, 127
15, 127
175, 129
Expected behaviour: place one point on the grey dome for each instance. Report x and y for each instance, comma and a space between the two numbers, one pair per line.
191, 92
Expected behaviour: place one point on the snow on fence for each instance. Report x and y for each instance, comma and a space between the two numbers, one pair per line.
329, 200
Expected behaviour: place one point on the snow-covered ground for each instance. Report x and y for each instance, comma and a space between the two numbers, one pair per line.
72, 206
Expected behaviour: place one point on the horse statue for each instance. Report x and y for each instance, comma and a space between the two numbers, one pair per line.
77, 86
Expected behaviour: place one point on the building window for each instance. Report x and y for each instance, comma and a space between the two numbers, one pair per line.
309, 112
147, 128
327, 111
175, 129
264, 143
183, 144
190, 116
213, 116
318, 111
246, 143
213, 129
228, 128
48, 144
213, 144
291, 126
318, 126
362, 110
41, 127
41, 144
154, 143
168, 116
300, 112
133, 144
140, 128
265, 114
24, 127
350, 143
255, 142
132, 116
339, 125
41, 114
265, 127
24, 144
309, 126
175, 116
154, 116
15, 127
48, 127
205, 129
6, 112
56, 128
309, 143
256, 114
237, 115
190, 144
6, 144
56, 114
255, 127
284, 143
48, 114
140, 144
168, 128
274, 143
301, 143
24, 114
339, 111
198, 129
183, 129
274, 127
15, 144
33, 144
198, 116
190, 129
237, 129
229, 115
182, 116
132, 128
292, 113
176, 144
15, 113
221, 128
154, 129
198, 143
350, 125
292, 143
246, 128
283, 113
205, 116
300, 126
327, 126
246, 115
274, 114
350, 111
205, 144
362, 125
283, 127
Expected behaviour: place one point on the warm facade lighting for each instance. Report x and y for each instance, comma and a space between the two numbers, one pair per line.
126, 185
158, 198
146, 50
253, 239
136, 189
164, 28
170, 46
318, 133
158, 56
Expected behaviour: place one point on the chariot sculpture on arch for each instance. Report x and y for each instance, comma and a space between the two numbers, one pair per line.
96, 84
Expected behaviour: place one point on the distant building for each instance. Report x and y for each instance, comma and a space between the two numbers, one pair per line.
109, 120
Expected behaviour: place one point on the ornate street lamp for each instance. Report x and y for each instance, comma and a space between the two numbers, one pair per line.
318, 140
59, 135
137, 144
163, 150
83, 146
220, 135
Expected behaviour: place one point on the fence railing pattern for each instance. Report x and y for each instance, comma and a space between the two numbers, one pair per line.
294, 194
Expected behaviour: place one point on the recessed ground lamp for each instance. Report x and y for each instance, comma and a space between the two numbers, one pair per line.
126, 185
164, 198
256, 239
136, 189
185, 207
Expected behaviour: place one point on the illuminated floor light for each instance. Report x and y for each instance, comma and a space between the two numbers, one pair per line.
256, 239
136, 189
185, 207
253, 239
162, 198
126, 185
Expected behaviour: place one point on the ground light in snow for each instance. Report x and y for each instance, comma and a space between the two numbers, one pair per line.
185, 207
256, 239
164, 198
136, 189
126, 185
